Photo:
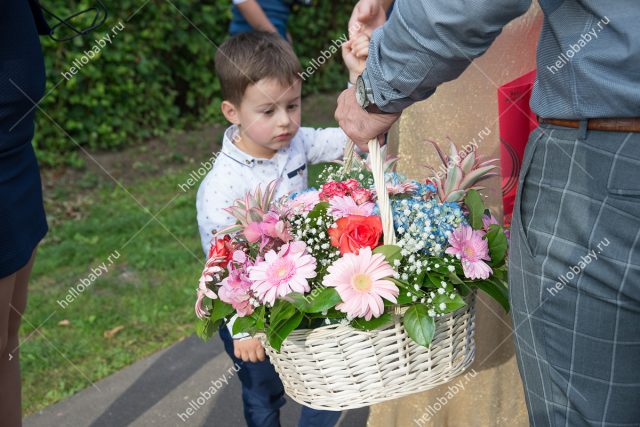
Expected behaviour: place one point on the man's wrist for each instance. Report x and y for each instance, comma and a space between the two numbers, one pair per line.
364, 95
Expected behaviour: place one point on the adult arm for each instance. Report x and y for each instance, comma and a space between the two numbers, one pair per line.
428, 42
254, 15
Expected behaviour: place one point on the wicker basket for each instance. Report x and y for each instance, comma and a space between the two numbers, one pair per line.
337, 367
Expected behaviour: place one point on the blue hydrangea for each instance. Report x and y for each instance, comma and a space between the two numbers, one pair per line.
424, 225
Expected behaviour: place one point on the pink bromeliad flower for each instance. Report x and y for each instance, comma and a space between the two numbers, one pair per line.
283, 272
361, 281
471, 249
341, 206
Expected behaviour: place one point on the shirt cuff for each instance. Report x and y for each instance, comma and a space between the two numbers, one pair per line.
230, 328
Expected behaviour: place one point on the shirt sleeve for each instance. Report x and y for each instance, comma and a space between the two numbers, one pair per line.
428, 42
323, 145
212, 198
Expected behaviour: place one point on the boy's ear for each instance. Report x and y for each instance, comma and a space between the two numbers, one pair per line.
230, 112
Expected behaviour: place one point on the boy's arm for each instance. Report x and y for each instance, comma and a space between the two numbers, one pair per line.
254, 15
211, 200
323, 145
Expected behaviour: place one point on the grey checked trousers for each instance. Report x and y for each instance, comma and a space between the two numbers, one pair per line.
574, 273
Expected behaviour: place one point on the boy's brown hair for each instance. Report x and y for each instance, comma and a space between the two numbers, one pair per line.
246, 58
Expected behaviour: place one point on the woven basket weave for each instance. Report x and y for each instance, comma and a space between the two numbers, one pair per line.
337, 367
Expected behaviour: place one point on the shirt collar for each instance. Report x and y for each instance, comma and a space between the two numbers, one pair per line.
230, 150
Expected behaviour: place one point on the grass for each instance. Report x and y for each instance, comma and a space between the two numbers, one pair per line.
144, 301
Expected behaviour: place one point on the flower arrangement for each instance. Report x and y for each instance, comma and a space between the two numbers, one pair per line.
315, 258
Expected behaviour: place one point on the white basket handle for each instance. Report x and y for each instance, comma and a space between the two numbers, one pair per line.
377, 168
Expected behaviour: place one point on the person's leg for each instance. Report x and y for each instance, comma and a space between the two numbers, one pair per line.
262, 390
315, 418
574, 273
13, 301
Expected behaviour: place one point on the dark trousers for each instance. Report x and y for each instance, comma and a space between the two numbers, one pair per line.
263, 394
574, 274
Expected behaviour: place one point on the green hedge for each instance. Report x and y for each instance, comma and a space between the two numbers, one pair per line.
158, 72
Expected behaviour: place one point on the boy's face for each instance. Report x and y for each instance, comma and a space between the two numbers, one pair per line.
268, 117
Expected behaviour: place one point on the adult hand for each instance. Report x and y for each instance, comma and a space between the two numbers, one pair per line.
249, 350
359, 125
367, 15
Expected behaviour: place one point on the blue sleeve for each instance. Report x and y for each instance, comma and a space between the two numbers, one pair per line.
428, 42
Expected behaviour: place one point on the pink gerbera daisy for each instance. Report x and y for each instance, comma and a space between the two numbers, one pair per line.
361, 281
471, 249
341, 206
283, 272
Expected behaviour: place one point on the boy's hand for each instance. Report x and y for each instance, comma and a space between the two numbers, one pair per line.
249, 350
354, 54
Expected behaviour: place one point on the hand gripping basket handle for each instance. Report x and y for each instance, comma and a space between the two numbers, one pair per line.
376, 158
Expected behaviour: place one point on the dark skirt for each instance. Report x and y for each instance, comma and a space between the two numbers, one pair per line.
22, 219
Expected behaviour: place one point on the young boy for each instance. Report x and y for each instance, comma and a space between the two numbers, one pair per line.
261, 86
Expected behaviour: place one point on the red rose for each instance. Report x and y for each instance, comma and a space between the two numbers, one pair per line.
351, 184
221, 252
332, 189
354, 232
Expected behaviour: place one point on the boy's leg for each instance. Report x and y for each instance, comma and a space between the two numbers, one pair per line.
315, 418
262, 390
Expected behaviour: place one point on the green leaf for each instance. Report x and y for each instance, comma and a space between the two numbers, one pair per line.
390, 252
451, 305
464, 290
374, 323
206, 328
244, 324
419, 325
299, 301
324, 300
259, 316
496, 290
282, 330
435, 280
498, 245
281, 311
474, 203
318, 210
221, 310
454, 278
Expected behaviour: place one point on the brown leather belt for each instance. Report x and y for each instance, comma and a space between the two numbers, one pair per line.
608, 125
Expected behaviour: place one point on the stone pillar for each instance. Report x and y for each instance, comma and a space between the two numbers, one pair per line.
462, 110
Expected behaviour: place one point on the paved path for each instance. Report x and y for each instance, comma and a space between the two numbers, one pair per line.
165, 390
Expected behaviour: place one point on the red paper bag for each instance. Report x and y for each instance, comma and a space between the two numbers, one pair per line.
516, 122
